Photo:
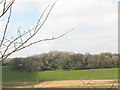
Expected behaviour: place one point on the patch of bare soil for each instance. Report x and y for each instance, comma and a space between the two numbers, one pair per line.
78, 84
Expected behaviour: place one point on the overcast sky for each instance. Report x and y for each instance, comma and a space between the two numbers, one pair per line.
95, 23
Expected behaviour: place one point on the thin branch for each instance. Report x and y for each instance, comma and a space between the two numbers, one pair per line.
26, 31
20, 35
1, 1
34, 32
18, 49
53, 38
112, 85
7, 40
4, 6
36, 29
93, 86
6, 27
83, 83
40, 18
5, 9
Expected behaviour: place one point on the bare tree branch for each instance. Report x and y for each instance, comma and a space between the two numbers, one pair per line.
6, 6
20, 48
6, 28
26, 32
53, 38
1, 1
19, 43
112, 85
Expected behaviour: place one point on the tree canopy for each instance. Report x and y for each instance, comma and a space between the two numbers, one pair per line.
64, 60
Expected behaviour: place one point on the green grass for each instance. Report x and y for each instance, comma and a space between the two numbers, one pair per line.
15, 76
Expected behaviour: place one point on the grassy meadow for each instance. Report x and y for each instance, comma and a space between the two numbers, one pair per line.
88, 74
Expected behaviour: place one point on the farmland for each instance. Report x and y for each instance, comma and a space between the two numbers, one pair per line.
29, 79
88, 74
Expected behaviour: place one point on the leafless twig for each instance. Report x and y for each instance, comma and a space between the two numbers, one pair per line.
112, 85
6, 6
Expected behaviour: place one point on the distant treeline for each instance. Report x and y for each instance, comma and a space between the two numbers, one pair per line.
64, 60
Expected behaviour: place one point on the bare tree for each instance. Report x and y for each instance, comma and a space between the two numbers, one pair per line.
9, 46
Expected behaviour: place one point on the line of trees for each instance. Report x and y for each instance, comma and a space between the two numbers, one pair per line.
64, 60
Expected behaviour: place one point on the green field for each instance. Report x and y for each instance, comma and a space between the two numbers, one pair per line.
15, 76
